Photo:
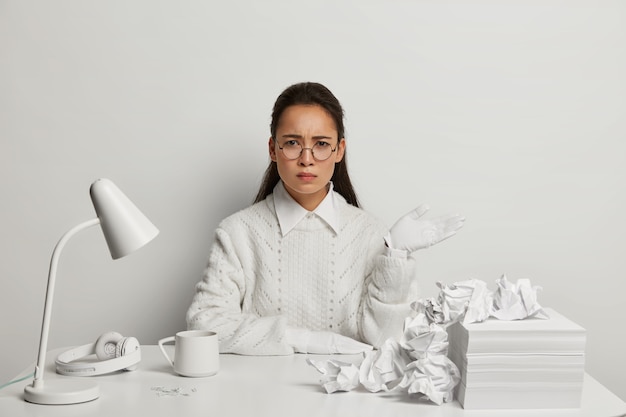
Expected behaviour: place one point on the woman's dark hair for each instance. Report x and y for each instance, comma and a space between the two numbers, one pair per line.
310, 94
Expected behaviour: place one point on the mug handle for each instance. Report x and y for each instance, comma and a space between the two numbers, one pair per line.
161, 343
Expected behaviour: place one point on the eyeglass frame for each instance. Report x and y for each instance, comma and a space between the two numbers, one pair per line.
302, 149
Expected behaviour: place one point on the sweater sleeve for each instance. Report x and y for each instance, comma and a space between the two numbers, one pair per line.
389, 290
217, 306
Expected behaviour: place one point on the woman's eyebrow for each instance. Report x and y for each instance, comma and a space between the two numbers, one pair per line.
292, 136
296, 136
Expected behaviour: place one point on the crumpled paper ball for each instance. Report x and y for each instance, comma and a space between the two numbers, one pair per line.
336, 375
469, 300
382, 369
421, 337
431, 308
516, 301
433, 376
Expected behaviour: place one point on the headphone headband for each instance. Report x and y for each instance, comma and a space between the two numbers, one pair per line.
66, 366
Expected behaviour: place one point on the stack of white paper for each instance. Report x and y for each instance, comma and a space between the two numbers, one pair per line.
531, 363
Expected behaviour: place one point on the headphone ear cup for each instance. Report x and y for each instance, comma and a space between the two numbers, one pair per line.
126, 346
106, 345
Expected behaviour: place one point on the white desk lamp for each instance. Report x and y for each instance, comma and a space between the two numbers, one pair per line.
125, 229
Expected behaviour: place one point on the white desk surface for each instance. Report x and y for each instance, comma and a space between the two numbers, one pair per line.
261, 386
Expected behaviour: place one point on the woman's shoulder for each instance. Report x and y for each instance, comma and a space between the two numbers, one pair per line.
258, 214
358, 216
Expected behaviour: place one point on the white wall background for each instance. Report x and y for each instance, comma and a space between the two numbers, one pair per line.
511, 112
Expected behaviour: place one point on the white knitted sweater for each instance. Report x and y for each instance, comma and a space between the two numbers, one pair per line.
258, 282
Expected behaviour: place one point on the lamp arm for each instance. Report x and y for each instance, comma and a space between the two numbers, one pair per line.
45, 326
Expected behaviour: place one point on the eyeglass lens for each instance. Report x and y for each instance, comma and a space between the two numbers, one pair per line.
321, 150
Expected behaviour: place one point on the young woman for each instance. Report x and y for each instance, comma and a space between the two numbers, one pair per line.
304, 269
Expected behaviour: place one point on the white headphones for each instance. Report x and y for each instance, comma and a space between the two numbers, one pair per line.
113, 351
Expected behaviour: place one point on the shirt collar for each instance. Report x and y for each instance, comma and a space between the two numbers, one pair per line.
290, 213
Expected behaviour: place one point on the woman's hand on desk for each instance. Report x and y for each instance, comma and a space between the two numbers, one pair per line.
320, 342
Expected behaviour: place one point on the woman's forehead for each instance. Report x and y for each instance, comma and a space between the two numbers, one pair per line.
306, 121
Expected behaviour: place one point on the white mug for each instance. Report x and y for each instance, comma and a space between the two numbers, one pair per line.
196, 353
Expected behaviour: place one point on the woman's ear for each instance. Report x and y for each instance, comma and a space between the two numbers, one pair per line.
272, 149
341, 149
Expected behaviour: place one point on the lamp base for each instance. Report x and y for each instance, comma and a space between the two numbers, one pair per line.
62, 392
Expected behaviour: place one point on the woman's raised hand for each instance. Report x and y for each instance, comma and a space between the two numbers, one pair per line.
412, 233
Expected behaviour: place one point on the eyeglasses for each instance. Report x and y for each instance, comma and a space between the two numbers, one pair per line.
321, 151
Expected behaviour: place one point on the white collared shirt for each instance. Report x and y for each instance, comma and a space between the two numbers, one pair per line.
290, 213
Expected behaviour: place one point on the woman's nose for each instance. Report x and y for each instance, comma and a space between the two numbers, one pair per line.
306, 158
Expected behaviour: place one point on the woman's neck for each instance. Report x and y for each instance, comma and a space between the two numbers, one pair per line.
309, 201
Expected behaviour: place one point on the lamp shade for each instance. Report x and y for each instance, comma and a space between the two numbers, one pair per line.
125, 228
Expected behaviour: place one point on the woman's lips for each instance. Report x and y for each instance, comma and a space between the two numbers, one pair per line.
306, 176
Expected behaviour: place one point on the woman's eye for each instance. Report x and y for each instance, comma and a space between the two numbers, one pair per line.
322, 144
291, 143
